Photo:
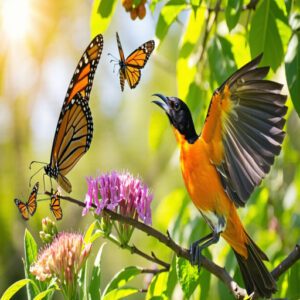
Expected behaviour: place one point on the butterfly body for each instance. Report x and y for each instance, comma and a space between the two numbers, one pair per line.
28, 208
74, 130
130, 67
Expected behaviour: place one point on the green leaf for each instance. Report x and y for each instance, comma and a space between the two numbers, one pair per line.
82, 281
121, 278
167, 16
102, 12
153, 4
264, 34
120, 293
292, 69
172, 279
14, 288
94, 288
89, 232
157, 129
186, 67
188, 276
31, 253
233, 12
43, 294
158, 287
221, 60
204, 286
293, 291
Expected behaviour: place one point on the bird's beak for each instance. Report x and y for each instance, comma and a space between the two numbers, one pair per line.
165, 105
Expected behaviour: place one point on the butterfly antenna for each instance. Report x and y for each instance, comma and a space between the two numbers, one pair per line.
36, 162
115, 59
34, 175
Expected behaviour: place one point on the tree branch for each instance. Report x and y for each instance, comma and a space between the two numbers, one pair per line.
221, 273
287, 263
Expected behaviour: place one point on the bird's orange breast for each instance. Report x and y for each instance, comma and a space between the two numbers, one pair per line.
200, 176
206, 191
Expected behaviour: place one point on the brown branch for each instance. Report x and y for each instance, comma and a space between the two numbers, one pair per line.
221, 273
152, 258
154, 271
286, 263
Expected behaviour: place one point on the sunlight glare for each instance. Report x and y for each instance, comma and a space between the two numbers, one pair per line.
16, 18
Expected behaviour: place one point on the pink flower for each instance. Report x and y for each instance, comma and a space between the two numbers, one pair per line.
62, 260
122, 193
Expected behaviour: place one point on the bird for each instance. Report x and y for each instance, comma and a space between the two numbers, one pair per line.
221, 166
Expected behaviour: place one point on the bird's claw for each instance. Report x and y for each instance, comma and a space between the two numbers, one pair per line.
196, 255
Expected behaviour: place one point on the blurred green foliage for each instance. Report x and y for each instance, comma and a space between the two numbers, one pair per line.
199, 44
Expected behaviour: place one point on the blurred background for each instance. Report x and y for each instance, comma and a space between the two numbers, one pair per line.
41, 43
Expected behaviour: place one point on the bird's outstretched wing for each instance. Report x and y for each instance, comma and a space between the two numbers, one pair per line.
244, 129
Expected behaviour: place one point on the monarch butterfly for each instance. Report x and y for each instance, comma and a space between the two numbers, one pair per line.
55, 206
29, 207
74, 129
130, 68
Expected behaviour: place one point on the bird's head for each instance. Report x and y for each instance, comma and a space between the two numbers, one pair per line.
179, 115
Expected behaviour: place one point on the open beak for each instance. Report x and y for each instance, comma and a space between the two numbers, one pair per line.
165, 105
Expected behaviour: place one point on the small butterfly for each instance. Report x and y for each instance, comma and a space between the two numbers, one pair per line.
29, 207
130, 68
55, 206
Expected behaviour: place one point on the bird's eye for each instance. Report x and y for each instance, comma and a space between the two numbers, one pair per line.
176, 106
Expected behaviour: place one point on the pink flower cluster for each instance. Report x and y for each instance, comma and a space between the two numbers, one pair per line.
120, 192
62, 259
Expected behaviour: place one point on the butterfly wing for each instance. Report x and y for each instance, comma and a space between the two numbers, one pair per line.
122, 56
133, 76
64, 142
32, 203
55, 207
82, 79
136, 61
139, 57
22, 209
74, 135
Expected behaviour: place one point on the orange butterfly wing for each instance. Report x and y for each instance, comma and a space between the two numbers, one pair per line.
55, 207
32, 203
22, 209
73, 138
130, 67
30, 206
82, 79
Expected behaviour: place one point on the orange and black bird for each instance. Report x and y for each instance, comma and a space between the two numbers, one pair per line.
222, 166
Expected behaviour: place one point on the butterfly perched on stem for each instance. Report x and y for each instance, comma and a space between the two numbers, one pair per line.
74, 131
28, 208
55, 206
130, 68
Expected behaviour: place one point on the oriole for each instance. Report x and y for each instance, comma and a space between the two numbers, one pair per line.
221, 167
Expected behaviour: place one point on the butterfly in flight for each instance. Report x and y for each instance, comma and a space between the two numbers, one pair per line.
74, 131
130, 68
55, 206
29, 207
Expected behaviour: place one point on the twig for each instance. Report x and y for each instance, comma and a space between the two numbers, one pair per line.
221, 273
152, 258
287, 263
154, 271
